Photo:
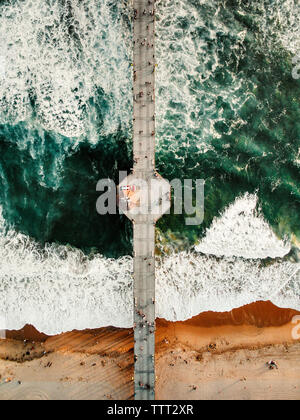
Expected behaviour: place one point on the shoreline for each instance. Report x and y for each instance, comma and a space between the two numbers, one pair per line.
211, 356
258, 314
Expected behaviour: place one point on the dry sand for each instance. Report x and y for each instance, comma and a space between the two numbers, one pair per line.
212, 356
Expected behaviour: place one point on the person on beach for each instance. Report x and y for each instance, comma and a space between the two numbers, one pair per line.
272, 365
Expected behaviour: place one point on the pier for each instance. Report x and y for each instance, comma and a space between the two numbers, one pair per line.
146, 197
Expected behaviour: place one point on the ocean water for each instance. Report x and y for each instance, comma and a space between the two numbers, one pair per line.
65, 119
228, 111
58, 289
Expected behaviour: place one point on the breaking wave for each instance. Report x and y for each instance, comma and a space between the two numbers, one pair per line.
56, 288
241, 231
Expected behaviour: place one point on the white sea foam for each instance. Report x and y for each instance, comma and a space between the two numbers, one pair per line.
280, 17
188, 284
190, 55
187, 64
241, 231
60, 70
57, 289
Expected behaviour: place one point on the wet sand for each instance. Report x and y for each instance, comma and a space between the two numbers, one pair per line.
212, 356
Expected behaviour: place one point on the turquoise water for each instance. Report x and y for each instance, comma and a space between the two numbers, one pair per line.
228, 111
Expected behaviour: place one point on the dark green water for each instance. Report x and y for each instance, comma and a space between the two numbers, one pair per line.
59, 204
228, 112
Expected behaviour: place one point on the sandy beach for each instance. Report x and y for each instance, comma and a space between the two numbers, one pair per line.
213, 356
